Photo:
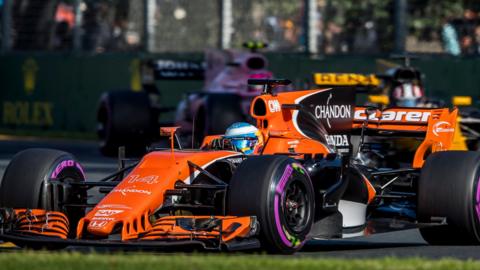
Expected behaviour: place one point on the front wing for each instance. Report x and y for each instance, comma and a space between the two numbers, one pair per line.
40, 228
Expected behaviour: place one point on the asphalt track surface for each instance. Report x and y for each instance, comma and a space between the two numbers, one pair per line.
406, 243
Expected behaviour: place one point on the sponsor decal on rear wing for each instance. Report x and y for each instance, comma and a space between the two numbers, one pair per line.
404, 119
436, 126
407, 116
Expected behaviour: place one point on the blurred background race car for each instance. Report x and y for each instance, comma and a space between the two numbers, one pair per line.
403, 86
131, 119
400, 87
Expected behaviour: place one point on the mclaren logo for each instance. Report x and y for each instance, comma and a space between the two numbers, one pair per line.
328, 111
442, 127
397, 116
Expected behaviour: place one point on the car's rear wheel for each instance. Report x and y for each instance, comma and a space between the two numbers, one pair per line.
125, 118
449, 189
26, 183
278, 191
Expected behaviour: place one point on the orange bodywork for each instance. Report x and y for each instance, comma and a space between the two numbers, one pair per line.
279, 128
141, 192
439, 136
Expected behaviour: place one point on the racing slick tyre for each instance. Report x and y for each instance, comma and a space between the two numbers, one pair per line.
125, 118
449, 188
26, 183
217, 114
278, 191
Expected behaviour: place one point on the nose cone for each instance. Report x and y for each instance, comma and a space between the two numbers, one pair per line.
141, 192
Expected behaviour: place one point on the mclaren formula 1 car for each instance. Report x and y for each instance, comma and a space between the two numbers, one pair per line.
304, 183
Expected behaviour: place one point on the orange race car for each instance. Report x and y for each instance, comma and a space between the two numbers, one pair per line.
295, 179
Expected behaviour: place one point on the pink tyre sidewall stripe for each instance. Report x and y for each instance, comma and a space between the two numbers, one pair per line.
68, 163
477, 202
279, 197
279, 192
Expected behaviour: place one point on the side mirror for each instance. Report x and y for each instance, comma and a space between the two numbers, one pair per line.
171, 132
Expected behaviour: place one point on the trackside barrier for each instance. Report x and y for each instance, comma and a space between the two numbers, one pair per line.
59, 92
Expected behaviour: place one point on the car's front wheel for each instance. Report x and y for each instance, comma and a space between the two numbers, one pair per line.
27, 183
278, 191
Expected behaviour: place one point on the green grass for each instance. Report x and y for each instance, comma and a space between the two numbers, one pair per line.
67, 261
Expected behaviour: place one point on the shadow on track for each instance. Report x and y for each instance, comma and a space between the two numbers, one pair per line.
341, 245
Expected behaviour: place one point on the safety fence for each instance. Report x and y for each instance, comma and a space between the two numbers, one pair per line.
321, 27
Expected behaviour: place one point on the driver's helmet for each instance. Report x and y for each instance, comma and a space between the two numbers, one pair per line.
244, 137
407, 95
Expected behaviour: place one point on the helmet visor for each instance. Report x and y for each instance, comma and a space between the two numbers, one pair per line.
244, 144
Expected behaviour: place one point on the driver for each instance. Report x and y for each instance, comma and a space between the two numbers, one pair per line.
242, 137
407, 95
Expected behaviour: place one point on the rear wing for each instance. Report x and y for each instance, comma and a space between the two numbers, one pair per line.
436, 125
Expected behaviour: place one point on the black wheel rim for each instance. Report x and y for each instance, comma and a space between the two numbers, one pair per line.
295, 206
